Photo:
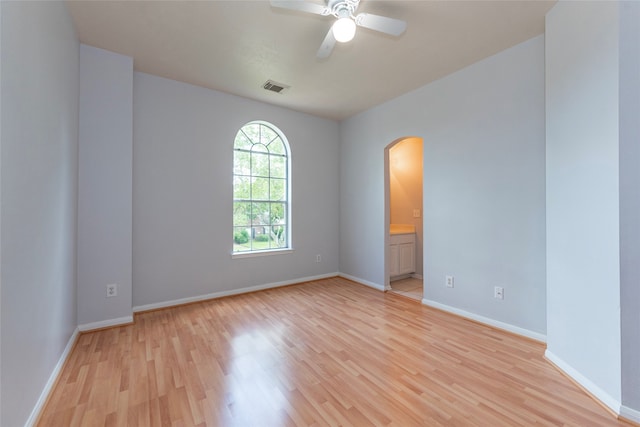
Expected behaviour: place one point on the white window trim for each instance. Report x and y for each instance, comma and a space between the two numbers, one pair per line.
289, 248
268, 252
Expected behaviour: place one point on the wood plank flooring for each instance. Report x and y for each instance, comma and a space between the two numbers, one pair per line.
323, 353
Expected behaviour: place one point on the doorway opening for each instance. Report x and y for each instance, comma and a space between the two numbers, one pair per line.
403, 217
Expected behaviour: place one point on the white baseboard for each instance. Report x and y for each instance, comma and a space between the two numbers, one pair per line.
165, 304
106, 323
401, 277
417, 276
52, 380
630, 414
362, 281
487, 321
604, 397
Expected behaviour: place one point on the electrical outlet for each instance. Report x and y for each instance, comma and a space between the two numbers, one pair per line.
112, 290
498, 292
449, 281
318, 258
416, 213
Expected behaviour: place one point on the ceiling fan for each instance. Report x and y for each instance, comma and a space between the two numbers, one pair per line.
344, 28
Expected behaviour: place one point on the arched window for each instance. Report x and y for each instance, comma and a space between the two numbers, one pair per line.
261, 189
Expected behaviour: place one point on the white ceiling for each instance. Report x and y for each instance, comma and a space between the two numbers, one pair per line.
234, 46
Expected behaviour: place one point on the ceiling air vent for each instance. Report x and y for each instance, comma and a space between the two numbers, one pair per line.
275, 86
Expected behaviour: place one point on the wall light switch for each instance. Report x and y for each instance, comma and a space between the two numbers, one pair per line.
416, 213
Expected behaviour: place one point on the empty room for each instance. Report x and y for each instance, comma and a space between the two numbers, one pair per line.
309, 213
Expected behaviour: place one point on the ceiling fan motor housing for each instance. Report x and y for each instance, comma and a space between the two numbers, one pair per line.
342, 8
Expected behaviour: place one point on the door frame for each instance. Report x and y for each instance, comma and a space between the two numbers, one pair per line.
387, 207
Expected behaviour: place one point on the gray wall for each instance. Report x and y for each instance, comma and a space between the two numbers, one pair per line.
105, 185
630, 203
163, 214
583, 245
484, 206
38, 198
0, 212
182, 192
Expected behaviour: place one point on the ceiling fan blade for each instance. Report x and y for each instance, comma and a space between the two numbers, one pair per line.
391, 26
327, 45
301, 6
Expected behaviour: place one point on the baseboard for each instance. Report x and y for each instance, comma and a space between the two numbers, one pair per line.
629, 414
362, 281
120, 321
596, 392
417, 276
488, 321
214, 295
400, 277
53, 378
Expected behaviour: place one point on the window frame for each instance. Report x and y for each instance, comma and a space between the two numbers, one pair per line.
288, 247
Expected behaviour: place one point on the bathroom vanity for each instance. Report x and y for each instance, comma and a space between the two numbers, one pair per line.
402, 250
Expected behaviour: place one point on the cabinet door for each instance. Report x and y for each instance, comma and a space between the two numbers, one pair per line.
393, 261
407, 258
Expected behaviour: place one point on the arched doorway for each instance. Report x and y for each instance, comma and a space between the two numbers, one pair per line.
403, 217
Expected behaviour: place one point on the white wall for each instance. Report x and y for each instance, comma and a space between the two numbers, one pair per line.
484, 206
583, 245
39, 143
0, 210
105, 186
182, 192
630, 203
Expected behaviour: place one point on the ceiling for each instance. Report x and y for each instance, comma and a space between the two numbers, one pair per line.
235, 46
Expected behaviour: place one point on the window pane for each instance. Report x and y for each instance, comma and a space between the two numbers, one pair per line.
260, 214
278, 213
241, 187
241, 239
277, 147
267, 135
241, 163
260, 189
279, 236
242, 141
260, 164
261, 238
253, 132
241, 214
259, 148
278, 167
278, 189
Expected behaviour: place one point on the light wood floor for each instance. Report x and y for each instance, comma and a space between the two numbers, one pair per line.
323, 353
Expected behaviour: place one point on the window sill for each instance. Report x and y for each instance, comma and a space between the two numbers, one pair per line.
261, 253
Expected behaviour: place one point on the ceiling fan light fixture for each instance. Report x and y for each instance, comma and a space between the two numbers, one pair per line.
344, 29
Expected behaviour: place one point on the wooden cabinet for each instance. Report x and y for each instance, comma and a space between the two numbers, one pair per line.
402, 254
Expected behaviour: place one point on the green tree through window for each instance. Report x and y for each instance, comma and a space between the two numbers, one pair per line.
260, 189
